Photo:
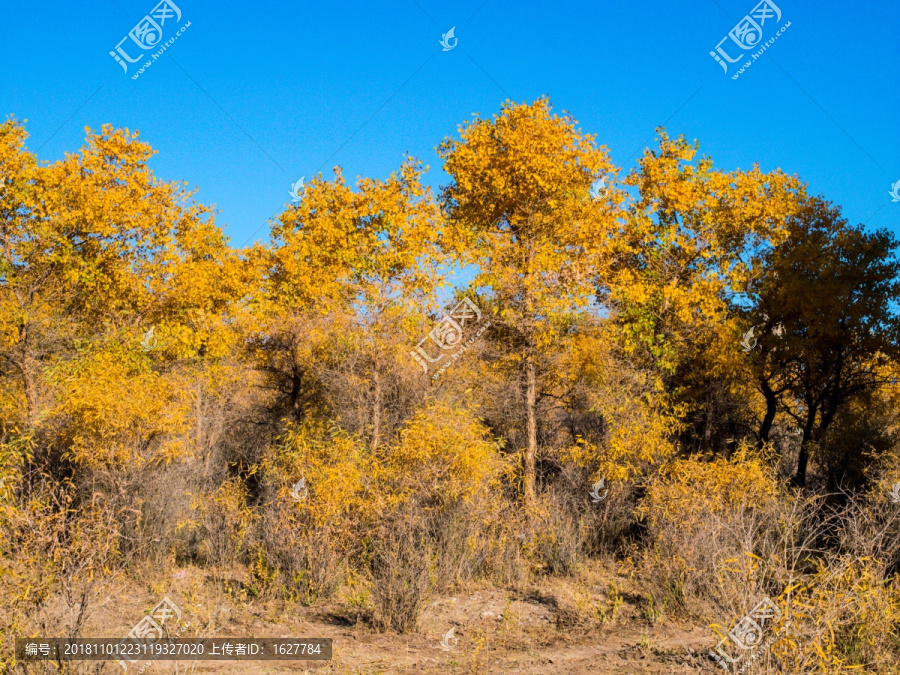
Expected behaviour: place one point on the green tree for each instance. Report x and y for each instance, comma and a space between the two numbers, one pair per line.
827, 299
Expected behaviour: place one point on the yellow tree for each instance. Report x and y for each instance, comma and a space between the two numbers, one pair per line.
349, 275
684, 257
519, 211
95, 251
20, 316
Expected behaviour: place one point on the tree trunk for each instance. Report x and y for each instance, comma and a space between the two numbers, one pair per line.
296, 389
26, 363
771, 407
799, 479
376, 413
802, 462
530, 431
31, 395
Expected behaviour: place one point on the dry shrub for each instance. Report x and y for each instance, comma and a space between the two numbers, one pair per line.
508, 566
568, 527
118, 411
444, 454
840, 617
446, 468
722, 536
401, 573
150, 502
56, 556
341, 476
612, 521
845, 615
422, 550
460, 534
631, 436
292, 562
557, 544
300, 547
579, 604
608, 525
577, 610
701, 518
443, 466
440, 471
870, 527
497, 543
220, 525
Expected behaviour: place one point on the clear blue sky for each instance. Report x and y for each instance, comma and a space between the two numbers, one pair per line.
252, 96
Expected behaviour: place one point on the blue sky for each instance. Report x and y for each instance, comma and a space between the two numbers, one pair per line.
252, 97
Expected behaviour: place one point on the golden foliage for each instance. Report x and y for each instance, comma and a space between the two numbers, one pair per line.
614, 328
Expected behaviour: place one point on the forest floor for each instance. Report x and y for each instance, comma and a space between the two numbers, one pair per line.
494, 631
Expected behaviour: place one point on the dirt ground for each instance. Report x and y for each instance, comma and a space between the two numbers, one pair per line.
494, 631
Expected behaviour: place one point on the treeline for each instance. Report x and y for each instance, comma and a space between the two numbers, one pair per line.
703, 341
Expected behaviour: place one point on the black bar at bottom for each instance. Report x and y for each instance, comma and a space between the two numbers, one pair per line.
131, 651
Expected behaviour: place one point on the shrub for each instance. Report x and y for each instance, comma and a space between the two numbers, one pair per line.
401, 573
712, 530
297, 565
558, 543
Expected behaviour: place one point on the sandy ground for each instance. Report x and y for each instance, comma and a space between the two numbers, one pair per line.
495, 632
